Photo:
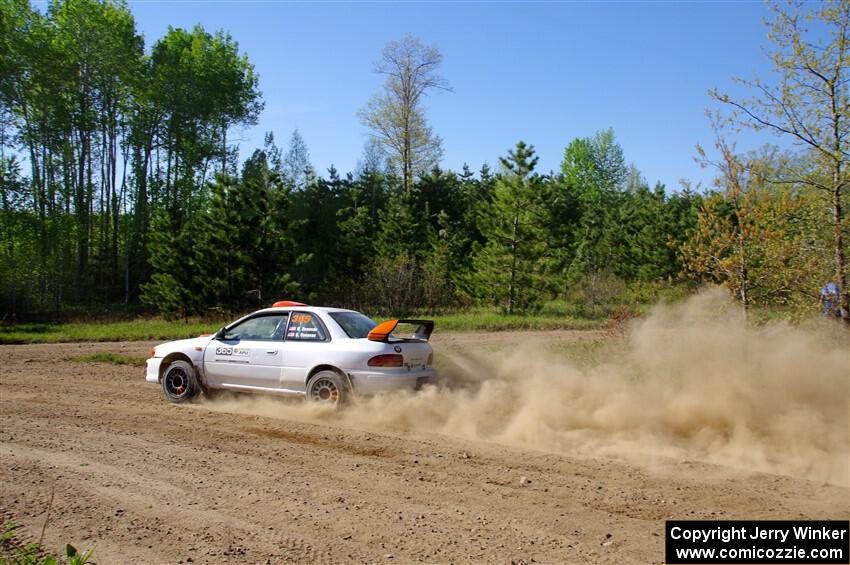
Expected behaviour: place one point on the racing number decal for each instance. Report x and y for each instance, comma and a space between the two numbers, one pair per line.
304, 327
239, 351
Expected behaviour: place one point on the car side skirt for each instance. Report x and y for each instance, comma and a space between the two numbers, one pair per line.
247, 388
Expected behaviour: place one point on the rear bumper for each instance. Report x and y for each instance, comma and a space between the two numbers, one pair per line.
152, 369
373, 382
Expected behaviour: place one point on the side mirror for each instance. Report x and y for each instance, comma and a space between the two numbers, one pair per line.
220, 334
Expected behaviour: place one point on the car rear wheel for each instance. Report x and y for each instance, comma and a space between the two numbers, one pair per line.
326, 387
178, 382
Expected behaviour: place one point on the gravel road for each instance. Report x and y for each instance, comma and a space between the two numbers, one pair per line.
143, 481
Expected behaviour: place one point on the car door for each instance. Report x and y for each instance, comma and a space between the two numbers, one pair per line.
305, 347
249, 355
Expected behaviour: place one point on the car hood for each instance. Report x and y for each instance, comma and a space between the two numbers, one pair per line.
186, 346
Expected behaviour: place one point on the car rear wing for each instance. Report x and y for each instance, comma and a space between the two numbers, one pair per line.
411, 330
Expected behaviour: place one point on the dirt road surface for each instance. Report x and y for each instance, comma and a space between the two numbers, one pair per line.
144, 481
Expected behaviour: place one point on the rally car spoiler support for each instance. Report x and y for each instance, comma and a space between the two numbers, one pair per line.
384, 330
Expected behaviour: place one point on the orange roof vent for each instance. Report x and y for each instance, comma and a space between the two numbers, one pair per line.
285, 303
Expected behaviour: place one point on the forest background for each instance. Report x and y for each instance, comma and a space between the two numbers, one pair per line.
122, 191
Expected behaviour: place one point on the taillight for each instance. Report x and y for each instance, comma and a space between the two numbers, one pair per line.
430, 359
387, 360
153, 352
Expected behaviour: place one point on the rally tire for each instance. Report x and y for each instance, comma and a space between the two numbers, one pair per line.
179, 382
326, 388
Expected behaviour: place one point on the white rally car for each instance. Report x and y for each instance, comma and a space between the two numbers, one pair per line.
323, 354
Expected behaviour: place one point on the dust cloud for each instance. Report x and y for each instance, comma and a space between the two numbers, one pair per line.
691, 381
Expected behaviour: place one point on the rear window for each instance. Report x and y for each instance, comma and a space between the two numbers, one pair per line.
355, 324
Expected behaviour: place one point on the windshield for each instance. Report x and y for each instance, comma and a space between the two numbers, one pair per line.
355, 324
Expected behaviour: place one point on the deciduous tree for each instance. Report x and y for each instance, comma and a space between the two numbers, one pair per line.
809, 104
396, 116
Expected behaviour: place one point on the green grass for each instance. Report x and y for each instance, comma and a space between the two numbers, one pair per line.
554, 316
137, 330
110, 358
15, 552
151, 330
493, 322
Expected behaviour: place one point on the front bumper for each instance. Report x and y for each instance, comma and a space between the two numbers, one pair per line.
152, 370
373, 382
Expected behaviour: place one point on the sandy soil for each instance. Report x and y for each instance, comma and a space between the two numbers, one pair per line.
144, 481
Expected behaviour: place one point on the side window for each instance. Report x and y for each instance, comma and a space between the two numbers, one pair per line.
261, 328
305, 327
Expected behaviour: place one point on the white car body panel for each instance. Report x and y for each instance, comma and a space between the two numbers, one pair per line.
284, 366
246, 363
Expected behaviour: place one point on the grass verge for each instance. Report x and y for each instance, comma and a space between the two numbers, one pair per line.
492, 322
138, 330
158, 329
110, 358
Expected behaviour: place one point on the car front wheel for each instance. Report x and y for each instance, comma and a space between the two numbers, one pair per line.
326, 387
178, 381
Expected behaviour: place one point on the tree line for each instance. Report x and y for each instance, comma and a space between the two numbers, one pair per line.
120, 187
110, 135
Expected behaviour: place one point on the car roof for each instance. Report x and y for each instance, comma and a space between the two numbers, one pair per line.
324, 309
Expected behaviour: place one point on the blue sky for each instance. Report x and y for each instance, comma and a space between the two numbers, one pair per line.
543, 72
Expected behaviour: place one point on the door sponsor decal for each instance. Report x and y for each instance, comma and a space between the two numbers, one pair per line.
232, 354
240, 351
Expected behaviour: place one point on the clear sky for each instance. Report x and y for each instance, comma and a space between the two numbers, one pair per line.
544, 72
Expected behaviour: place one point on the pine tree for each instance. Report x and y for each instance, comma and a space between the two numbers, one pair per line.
318, 204
509, 269
642, 250
172, 288
356, 239
402, 232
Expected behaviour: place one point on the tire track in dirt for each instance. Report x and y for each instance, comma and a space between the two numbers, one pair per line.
148, 482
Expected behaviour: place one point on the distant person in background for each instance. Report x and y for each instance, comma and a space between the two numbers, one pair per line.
829, 296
